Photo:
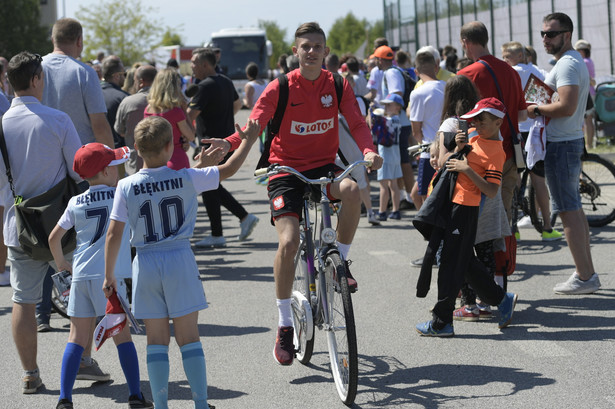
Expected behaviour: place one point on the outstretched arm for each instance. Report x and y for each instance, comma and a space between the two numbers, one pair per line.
248, 136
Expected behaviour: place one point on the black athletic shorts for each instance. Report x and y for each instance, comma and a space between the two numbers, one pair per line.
286, 193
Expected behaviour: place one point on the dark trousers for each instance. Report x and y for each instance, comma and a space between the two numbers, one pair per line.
213, 199
458, 264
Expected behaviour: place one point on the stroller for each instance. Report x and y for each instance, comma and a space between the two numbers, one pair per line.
605, 111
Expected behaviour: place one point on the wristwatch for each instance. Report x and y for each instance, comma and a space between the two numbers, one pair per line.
537, 111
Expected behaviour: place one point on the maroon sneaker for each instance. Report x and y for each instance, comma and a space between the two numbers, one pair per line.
284, 349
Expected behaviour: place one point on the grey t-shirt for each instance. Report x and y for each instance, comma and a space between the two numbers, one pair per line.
73, 87
570, 69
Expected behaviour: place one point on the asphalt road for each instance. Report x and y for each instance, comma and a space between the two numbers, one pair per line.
558, 352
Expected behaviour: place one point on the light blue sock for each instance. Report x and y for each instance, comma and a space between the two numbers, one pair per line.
194, 367
158, 371
70, 366
130, 365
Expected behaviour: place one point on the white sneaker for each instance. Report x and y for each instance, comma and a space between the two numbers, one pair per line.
247, 226
372, 218
524, 222
574, 285
212, 241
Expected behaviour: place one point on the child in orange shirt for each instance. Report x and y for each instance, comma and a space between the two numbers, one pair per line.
479, 172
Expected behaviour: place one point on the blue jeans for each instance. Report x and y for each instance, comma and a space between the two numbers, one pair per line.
43, 308
563, 170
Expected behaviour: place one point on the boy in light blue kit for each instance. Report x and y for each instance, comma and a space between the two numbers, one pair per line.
88, 213
160, 205
388, 148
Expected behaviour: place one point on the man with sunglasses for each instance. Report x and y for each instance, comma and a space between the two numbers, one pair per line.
41, 143
565, 146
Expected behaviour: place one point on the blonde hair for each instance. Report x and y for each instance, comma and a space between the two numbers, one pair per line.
166, 91
152, 134
514, 47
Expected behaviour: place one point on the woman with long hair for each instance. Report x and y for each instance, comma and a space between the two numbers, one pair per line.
166, 99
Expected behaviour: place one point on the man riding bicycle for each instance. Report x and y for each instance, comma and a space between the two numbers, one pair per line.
308, 141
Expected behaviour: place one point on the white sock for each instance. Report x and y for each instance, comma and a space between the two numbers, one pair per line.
499, 280
402, 193
344, 250
285, 313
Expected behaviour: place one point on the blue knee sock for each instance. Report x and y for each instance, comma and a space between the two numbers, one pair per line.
70, 367
130, 365
158, 371
193, 359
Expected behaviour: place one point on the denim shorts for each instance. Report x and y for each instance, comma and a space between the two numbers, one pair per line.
563, 170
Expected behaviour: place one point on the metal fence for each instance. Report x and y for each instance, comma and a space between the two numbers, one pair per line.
412, 24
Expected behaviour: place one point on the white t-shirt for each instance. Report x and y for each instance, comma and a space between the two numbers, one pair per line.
570, 69
426, 106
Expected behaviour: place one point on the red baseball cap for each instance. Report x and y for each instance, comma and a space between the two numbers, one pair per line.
492, 105
385, 52
112, 323
94, 157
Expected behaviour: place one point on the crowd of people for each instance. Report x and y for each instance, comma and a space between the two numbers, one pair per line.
123, 135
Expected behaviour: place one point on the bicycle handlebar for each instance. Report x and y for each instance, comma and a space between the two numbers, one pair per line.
275, 169
422, 147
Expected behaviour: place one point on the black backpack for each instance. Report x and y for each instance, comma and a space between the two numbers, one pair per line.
273, 127
409, 84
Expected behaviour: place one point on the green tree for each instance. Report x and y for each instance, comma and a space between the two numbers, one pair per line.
374, 31
347, 34
120, 27
20, 29
171, 38
276, 35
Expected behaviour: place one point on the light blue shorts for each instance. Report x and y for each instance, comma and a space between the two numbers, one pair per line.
87, 298
166, 283
563, 170
27, 276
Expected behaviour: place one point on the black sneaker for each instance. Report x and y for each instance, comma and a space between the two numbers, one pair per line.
135, 402
284, 349
352, 283
64, 404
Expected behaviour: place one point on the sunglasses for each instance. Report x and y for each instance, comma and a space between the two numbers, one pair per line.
39, 66
552, 34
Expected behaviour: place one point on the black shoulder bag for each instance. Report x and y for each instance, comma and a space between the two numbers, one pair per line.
36, 217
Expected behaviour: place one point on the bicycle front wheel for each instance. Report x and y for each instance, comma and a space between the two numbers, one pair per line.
341, 332
597, 188
302, 313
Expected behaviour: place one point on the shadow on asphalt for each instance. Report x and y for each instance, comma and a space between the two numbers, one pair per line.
385, 382
118, 393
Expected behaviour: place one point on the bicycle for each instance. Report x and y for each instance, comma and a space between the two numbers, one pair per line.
321, 296
596, 186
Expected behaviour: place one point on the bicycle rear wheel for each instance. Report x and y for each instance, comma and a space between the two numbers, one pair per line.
597, 187
302, 312
341, 332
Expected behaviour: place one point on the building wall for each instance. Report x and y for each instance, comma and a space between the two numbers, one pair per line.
49, 12
412, 24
